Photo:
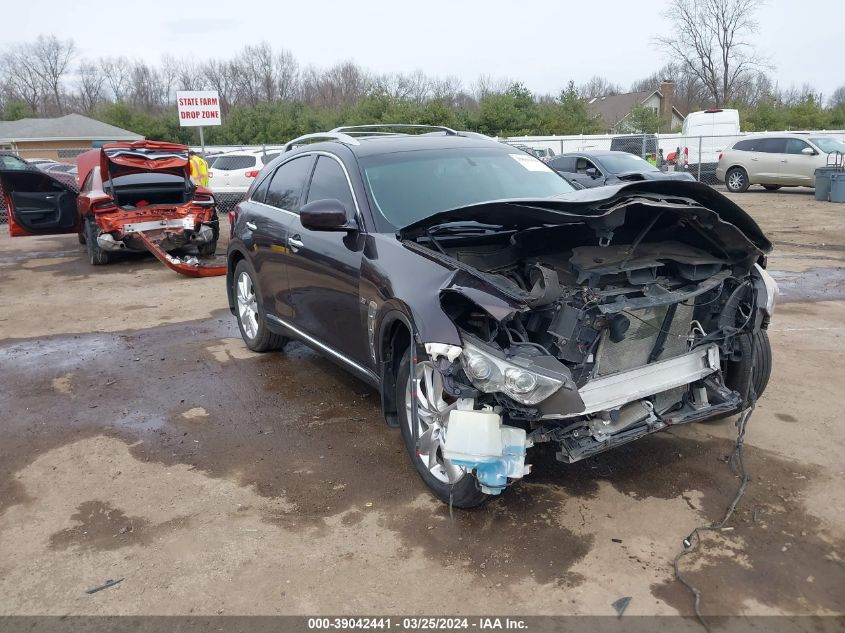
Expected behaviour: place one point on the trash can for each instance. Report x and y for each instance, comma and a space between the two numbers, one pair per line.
837, 186
823, 182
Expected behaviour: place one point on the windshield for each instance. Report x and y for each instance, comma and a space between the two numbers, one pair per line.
623, 163
828, 144
408, 186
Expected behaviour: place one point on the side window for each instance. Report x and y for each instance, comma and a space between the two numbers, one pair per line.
744, 146
285, 191
329, 181
795, 145
582, 165
771, 145
261, 190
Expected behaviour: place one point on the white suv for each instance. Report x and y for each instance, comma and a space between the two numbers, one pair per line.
776, 160
234, 172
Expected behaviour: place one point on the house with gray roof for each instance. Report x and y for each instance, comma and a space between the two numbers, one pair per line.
615, 110
60, 138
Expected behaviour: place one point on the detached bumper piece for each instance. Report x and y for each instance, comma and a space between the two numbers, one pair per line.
190, 268
477, 441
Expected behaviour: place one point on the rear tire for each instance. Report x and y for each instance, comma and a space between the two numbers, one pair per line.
250, 314
96, 255
771, 187
736, 180
465, 492
208, 249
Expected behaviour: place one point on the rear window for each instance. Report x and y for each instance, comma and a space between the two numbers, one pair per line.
150, 178
230, 163
269, 157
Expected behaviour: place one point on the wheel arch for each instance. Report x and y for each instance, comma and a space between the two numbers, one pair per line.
396, 333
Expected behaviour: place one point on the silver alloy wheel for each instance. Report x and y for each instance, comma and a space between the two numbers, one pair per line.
247, 305
736, 180
432, 413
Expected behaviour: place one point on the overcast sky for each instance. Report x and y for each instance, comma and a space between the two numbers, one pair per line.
543, 43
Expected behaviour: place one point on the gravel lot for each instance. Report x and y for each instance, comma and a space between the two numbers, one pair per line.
141, 440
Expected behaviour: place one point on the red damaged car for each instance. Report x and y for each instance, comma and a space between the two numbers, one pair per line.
127, 189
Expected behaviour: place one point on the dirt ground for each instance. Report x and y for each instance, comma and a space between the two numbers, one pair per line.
139, 439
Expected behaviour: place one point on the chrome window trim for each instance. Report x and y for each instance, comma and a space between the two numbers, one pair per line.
320, 152
329, 350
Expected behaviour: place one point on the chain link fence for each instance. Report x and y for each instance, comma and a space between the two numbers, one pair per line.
697, 155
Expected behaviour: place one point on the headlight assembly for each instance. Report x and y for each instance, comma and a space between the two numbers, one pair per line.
491, 373
771, 286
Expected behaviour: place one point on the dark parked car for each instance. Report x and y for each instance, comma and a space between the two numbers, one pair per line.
494, 308
596, 169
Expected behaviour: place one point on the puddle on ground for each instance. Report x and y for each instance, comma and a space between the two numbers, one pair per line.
294, 426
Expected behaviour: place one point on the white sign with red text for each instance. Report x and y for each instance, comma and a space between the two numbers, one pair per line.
198, 107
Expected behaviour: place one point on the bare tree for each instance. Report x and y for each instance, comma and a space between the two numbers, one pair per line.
118, 73
837, 99
256, 76
709, 40
53, 59
287, 75
35, 72
342, 84
91, 84
486, 85
221, 76
20, 80
598, 87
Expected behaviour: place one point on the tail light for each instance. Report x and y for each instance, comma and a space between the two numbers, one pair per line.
203, 199
233, 216
103, 206
720, 155
251, 173
686, 156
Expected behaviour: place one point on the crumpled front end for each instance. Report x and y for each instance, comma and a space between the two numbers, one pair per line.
596, 332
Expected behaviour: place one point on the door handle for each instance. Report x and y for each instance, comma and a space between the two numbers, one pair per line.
295, 243
783, 161
251, 226
755, 159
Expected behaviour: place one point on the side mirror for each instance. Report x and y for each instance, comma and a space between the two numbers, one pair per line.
326, 215
809, 151
592, 172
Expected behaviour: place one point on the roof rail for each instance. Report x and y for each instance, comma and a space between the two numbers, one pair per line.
330, 136
359, 129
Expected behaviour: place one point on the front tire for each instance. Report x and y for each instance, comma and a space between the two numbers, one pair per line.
736, 180
433, 469
250, 314
96, 255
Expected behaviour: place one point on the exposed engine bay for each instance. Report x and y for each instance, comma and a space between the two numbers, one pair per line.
595, 328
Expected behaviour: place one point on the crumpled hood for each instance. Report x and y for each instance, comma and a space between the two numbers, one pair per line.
594, 204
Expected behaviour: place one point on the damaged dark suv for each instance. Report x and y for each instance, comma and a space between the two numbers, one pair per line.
493, 307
